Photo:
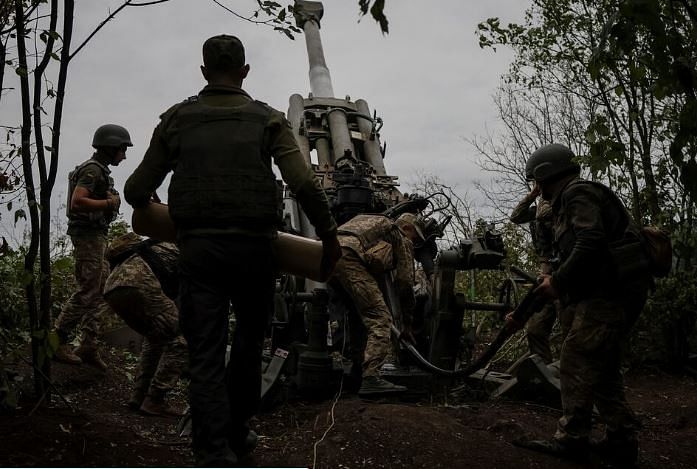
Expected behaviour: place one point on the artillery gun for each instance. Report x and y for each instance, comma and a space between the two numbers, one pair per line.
345, 137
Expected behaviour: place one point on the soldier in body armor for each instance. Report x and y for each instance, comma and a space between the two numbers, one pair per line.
141, 289
226, 207
374, 245
602, 283
93, 204
539, 326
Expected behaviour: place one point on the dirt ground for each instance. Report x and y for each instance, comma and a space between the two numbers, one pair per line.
346, 433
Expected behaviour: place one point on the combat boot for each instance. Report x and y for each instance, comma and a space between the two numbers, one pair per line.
242, 448
65, 354
156, 405
373, 386
89, 352
136, 399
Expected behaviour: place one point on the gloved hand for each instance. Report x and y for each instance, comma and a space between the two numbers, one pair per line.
331, 253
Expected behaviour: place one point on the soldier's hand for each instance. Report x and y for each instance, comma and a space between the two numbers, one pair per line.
331, 253
535, 191
512, 323
546, 289
114, 202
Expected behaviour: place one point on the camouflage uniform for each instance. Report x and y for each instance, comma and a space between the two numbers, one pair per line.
601, 300
136, 294
373, 246
539, 326
88, 232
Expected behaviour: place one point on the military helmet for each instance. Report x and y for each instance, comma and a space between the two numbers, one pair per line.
111, 135
411, 219
122, 244
549, 162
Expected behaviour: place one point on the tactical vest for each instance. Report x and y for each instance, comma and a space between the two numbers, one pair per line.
368, 229
98, 219
223, 175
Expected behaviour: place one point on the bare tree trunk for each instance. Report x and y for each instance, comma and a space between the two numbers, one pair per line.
3, 55
44, 320
30, 257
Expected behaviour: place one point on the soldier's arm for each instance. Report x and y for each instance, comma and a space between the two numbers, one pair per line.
524, 212
82, 198
151, 172
82, 201
299, 176
583, 206
404, 274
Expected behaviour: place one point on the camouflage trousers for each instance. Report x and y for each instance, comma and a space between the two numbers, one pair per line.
371, 309
86, 306
148, 311
538, 330
595, 331
161, 365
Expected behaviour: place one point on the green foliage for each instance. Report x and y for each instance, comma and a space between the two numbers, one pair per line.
666, 327
486, 285
377, 11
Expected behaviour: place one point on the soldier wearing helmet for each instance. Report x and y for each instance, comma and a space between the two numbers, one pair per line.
375, 245
537, 212
92, 205
602, 286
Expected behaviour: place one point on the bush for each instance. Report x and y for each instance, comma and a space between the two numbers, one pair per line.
665, 328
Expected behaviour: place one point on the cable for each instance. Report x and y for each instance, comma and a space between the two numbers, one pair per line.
336, 400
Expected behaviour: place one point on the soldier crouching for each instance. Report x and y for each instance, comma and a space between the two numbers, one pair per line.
140, 289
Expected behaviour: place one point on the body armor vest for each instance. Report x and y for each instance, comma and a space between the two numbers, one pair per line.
98, 219
369, 229
223, 175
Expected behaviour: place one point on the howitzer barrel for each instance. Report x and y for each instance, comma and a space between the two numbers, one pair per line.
295, 255
307, 17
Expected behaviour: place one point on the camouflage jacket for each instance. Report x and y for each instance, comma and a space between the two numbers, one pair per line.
588, 222
541, 222
382, 248
95, 176
135, 272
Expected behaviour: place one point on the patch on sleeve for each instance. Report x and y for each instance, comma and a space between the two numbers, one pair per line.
88, 178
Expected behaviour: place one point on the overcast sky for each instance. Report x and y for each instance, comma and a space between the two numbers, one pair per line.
428, 79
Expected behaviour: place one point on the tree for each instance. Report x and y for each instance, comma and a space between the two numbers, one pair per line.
38, 24
600, 56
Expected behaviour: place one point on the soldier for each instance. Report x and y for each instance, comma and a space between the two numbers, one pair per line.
141, 289
539, 326
602, 283
93, 204
373, 245
225, 203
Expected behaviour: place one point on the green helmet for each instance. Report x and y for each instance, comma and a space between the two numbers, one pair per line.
111, 135
549, 162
